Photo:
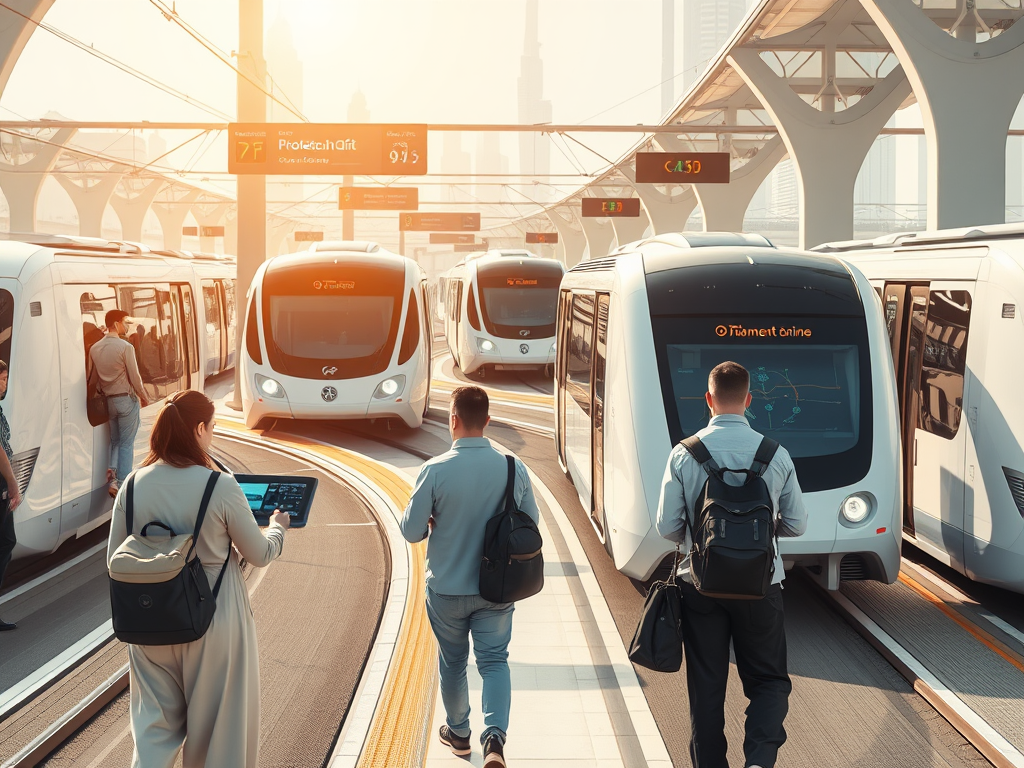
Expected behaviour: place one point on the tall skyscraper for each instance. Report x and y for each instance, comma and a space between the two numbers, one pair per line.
534, 148
707, 24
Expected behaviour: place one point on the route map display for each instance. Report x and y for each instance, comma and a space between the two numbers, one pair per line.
805, 397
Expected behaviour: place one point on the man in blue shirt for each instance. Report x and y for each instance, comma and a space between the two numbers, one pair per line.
455, 495
755, 627
10, 496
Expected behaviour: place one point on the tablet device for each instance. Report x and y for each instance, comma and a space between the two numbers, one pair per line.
289, 493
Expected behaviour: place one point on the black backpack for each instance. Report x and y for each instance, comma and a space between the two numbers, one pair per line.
159, 593
733, 528
512, 567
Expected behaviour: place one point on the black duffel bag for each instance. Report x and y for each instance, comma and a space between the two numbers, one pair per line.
159, 593
512, 567
658, 640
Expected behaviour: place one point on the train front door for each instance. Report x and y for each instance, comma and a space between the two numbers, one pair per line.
906, 317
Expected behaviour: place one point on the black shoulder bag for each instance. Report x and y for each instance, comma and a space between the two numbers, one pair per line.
658, 640
512, 567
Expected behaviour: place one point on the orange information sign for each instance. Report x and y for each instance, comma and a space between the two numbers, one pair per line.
378, 199
682, 167
439, 222
542, 237
327, 149
447, 238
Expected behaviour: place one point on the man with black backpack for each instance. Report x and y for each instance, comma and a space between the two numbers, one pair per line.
726, 497
455, 496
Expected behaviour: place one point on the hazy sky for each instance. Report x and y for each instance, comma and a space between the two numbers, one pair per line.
415, 60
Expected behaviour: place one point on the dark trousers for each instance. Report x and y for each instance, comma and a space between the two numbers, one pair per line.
758, 634
7, 538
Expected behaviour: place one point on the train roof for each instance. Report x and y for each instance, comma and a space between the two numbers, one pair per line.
352, 246
377, 256
964, 235
24, 244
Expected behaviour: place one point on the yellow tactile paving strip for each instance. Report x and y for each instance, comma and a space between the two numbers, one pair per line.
399, 733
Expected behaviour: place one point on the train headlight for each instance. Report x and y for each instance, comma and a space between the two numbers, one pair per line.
856, 507
485, 345
269, 387
390, 388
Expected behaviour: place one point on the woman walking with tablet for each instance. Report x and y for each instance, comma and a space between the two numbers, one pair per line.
202, 697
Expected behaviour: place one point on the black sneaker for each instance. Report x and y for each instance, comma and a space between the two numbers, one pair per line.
457, 744
494, 752
6, 626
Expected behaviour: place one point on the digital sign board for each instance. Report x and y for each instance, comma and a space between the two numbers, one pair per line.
190, 231
542, 237
682, 167
211, 231
309, 237
327, 149
378, 199
439, 222
596, 207
447, 238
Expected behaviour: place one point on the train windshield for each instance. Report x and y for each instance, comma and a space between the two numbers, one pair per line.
809, 384
519, 299
332, 316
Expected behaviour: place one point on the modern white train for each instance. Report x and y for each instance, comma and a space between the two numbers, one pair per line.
638, 334
954, 309
500, 311
341, 331
54, 294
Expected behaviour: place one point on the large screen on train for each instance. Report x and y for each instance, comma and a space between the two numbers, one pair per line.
806, 397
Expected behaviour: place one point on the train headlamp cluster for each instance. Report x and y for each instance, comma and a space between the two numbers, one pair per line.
389, 388
269, 387
485, 345
856, 507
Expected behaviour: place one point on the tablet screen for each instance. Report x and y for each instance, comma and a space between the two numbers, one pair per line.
290, 494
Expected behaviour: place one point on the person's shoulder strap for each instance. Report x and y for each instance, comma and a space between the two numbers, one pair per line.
129, 505
699, 451
510, 486
207, 495
765, 453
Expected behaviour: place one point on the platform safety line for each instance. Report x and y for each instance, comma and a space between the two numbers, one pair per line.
1004, 626
992, 745
970, 627
45, 577
396, 733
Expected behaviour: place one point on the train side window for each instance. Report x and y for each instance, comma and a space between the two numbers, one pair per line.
581, 335
154, 336
458, 303
230, 312
6, 325
412, 330
944, 362
564, 326
191, 334
471, 313
252, 335
214, 325
94, 305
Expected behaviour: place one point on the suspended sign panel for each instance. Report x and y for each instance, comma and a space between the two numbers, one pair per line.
542, 237
596, 207
190, 231
469, 247
445, 238
682, 167
211, 231
312, 237
439, 222
326, 149
378, 199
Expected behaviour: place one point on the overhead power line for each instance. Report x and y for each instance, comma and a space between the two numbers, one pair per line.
127, 69
171, 14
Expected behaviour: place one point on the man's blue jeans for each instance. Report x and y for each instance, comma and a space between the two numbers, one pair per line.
124, 425
454, 618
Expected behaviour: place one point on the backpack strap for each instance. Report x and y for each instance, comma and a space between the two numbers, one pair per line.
129, 505
510, 486
699, 451
207, 495
765, 453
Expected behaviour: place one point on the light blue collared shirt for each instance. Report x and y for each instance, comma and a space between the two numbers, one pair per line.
732, 443
461, 489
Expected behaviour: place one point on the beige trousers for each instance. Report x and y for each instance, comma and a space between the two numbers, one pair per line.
203, 696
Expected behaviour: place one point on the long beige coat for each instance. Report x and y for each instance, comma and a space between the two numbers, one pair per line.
206, 694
